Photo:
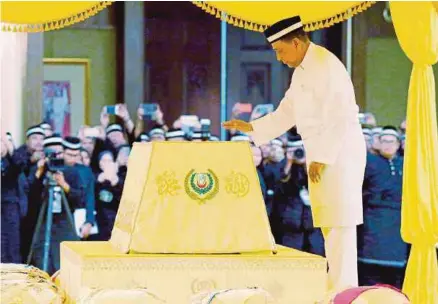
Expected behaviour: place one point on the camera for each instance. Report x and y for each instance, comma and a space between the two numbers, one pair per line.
149, 110
205, 129
53, 163
299, 153
112, 110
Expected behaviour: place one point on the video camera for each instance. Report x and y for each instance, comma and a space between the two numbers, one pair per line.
299, 153
205, 129
53, 162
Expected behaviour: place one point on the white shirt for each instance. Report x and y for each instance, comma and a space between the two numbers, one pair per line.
320, 102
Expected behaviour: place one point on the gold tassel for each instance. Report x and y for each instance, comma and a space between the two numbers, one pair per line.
354, 12
310, 26
61, 23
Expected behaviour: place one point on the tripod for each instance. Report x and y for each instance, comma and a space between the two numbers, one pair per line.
52, 189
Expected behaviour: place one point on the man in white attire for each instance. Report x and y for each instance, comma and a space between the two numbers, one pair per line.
321, 103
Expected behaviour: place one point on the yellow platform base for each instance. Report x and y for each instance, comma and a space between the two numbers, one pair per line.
290, 276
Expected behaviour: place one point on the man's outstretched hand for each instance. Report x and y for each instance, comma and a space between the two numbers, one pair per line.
238, 125
315, 171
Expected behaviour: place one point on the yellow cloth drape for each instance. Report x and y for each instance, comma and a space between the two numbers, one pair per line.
38, 16
416, 26
259, 14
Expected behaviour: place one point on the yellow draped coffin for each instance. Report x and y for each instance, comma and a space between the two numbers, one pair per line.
182, 197
289, 277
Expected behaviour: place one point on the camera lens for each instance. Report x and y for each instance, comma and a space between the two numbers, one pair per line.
299, 153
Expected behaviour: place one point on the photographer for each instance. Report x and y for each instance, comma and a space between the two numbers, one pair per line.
10, 205
51, 172
72, 159
108, 194
293, 205
30, 153
149, 116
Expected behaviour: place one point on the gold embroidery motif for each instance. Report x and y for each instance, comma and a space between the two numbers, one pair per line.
201, 186
167, 184
203, 285
237, 184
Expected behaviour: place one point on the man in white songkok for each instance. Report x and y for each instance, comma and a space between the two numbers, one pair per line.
321, 103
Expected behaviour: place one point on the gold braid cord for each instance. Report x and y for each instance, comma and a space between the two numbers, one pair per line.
308, 26
57, 24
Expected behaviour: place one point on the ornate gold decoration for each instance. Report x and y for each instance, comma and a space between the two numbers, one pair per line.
203, 285
125, 217
237, 184
167, 184
308, 27
182, 264
201, 186
58, 23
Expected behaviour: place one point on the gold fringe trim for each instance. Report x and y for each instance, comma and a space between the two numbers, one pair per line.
308, 27
57, 24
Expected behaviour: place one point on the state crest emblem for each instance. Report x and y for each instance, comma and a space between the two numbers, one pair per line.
201, 186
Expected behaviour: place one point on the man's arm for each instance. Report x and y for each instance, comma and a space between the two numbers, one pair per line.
336, 105
273, 124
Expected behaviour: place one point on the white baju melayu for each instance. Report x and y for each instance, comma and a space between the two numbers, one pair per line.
321, 103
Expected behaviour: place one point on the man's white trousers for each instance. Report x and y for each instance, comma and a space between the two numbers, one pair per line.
341, 253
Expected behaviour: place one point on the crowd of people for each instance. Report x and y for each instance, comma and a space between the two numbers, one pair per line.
89, 171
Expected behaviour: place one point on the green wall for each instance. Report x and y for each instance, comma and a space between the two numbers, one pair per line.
387, 80
98, 45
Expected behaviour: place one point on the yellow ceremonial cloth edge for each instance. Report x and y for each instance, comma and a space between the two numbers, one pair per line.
78, 253
57, 24
308, 27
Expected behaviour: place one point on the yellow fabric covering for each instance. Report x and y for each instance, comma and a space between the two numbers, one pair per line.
164, 210
22, 284
235, 296
290, 276
420, 182
118, 296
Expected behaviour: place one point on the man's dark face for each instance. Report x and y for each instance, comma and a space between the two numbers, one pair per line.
117, 139
389, 146
72, 157
88, 143
35, 142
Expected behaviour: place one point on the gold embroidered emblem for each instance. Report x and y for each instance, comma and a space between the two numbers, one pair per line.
237, 184
205, 285
167, 184
201, 186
